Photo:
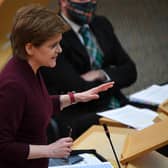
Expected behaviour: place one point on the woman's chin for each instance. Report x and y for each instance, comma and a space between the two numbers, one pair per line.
52, 65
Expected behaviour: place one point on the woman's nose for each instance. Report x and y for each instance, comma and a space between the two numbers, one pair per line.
58, 48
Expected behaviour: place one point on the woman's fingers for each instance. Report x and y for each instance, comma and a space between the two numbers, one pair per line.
103, 87
92, 94
61, 147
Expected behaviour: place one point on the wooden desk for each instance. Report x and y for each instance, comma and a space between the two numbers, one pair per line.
110, 122
95, 138
163, 107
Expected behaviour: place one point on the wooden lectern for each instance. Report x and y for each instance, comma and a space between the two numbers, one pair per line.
134, 155
141, 142
163, 107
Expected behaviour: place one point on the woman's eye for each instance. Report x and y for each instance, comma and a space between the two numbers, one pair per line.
53, 45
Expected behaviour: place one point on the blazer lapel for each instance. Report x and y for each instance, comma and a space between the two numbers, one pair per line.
99, 35
73, 41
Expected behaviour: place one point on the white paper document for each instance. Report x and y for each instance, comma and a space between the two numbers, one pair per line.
154, 95
96, 165
138, 118
89, 161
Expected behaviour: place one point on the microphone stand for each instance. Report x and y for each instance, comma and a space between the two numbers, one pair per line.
109, 138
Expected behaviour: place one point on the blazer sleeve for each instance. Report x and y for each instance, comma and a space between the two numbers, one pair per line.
56, 103
12, 100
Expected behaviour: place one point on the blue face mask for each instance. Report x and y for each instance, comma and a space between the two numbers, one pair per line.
81, 13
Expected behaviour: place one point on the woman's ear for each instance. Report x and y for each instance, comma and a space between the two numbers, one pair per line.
29, 48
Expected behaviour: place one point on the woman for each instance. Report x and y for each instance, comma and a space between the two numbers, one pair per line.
25, 106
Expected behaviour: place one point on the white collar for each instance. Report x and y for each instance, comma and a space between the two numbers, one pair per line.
73, 25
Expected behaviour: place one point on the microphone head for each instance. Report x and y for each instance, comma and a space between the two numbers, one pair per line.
106, 130
105, 127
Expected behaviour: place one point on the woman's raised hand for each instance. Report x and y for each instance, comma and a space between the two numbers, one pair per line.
93, 93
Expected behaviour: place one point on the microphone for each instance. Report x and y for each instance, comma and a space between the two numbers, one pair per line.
109, 138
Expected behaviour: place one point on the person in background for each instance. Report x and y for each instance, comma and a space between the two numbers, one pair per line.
25, 106
91, 55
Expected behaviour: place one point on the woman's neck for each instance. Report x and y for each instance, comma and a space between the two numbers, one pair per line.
33, 65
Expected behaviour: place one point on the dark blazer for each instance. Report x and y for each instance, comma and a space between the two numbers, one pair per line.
74, 61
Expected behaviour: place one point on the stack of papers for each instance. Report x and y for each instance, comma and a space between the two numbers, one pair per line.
137, 118
153, 95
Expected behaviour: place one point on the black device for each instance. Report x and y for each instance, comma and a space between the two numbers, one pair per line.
72, 159
75, 158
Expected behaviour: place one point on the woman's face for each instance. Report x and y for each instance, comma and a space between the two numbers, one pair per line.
46, 54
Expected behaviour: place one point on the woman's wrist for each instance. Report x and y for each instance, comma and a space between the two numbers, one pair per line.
72, 97
38, 151
77, 97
